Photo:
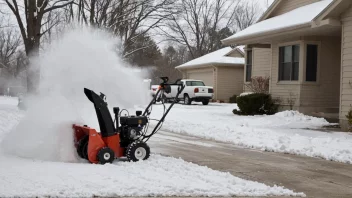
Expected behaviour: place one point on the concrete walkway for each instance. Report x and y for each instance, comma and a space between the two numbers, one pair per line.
315, 177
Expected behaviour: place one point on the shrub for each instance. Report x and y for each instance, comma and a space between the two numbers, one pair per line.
256, 104
259, 84
233, 99
349, 119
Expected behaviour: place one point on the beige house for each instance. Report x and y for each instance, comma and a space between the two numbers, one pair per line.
305, 46
222, 69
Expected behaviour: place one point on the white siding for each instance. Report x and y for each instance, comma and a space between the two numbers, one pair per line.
206, 75
236, 53
261, 62
230, 82
346, 64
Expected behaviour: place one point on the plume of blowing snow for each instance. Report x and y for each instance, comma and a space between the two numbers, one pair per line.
82, 58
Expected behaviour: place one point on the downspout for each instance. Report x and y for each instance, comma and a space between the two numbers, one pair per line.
215, 73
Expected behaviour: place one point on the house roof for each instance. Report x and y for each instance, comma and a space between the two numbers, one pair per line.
269, 10
334, 10
241, 48
300, 16
216, 58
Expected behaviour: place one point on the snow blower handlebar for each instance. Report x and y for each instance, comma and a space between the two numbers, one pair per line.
164, 87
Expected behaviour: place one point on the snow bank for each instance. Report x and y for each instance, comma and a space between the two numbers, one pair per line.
158, 176
82, 58
286, 132
7, 100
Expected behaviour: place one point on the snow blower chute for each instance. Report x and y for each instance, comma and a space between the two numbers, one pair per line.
127, 138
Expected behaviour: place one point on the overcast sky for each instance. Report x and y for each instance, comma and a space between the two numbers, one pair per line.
263, 2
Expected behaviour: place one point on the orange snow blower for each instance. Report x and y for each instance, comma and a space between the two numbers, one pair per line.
128, 138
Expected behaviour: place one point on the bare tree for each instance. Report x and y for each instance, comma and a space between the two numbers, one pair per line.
200, 24
29, 16
130, 20
246, 14
9, 43
259, 84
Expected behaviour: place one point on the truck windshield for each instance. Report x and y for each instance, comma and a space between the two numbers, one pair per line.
195, 83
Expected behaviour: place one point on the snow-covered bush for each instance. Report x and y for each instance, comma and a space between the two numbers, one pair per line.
256, 104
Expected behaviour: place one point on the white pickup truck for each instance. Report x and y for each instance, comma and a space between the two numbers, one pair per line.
195, 90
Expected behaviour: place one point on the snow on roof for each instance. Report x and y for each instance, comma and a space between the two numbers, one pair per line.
241, 48
299, 16
217, 57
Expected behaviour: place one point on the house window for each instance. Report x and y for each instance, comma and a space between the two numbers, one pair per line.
312, 63
249, 65
289, 63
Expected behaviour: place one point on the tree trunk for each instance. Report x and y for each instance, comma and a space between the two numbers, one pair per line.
32, 43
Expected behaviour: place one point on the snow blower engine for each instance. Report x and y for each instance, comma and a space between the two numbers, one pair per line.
127, 138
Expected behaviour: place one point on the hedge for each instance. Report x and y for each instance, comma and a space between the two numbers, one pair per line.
256, 104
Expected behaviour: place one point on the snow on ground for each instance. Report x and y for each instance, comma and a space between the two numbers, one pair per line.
7, 100
157, 176
286, 132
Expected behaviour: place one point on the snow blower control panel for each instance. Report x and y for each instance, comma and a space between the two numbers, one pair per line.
133, 120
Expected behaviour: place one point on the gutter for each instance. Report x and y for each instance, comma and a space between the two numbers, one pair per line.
216, 83
209, 65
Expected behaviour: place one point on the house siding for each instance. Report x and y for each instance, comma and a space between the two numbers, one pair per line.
210, 69
346, 64
323, 95
229, 83
236, 54
288, 5
261, 62
207, 72
281, 90
260, 66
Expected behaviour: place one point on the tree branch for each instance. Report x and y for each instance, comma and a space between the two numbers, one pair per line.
58, 6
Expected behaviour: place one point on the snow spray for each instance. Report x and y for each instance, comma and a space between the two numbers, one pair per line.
81, 58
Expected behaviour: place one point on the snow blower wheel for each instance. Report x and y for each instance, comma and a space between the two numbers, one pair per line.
82, 147
120, 136
137, 151
105, 155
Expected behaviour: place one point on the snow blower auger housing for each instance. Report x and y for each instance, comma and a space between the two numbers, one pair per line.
127, 138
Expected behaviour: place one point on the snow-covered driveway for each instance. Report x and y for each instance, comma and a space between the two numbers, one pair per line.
158, 176
287, 132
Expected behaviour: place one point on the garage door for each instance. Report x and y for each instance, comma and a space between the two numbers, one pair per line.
206, 77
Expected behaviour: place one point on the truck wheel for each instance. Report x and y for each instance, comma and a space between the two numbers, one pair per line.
137, 151
105, 155
205, 102
188, 101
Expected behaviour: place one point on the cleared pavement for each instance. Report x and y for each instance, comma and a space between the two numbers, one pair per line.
315, 177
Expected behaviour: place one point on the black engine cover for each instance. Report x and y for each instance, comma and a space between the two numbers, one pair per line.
133, 120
